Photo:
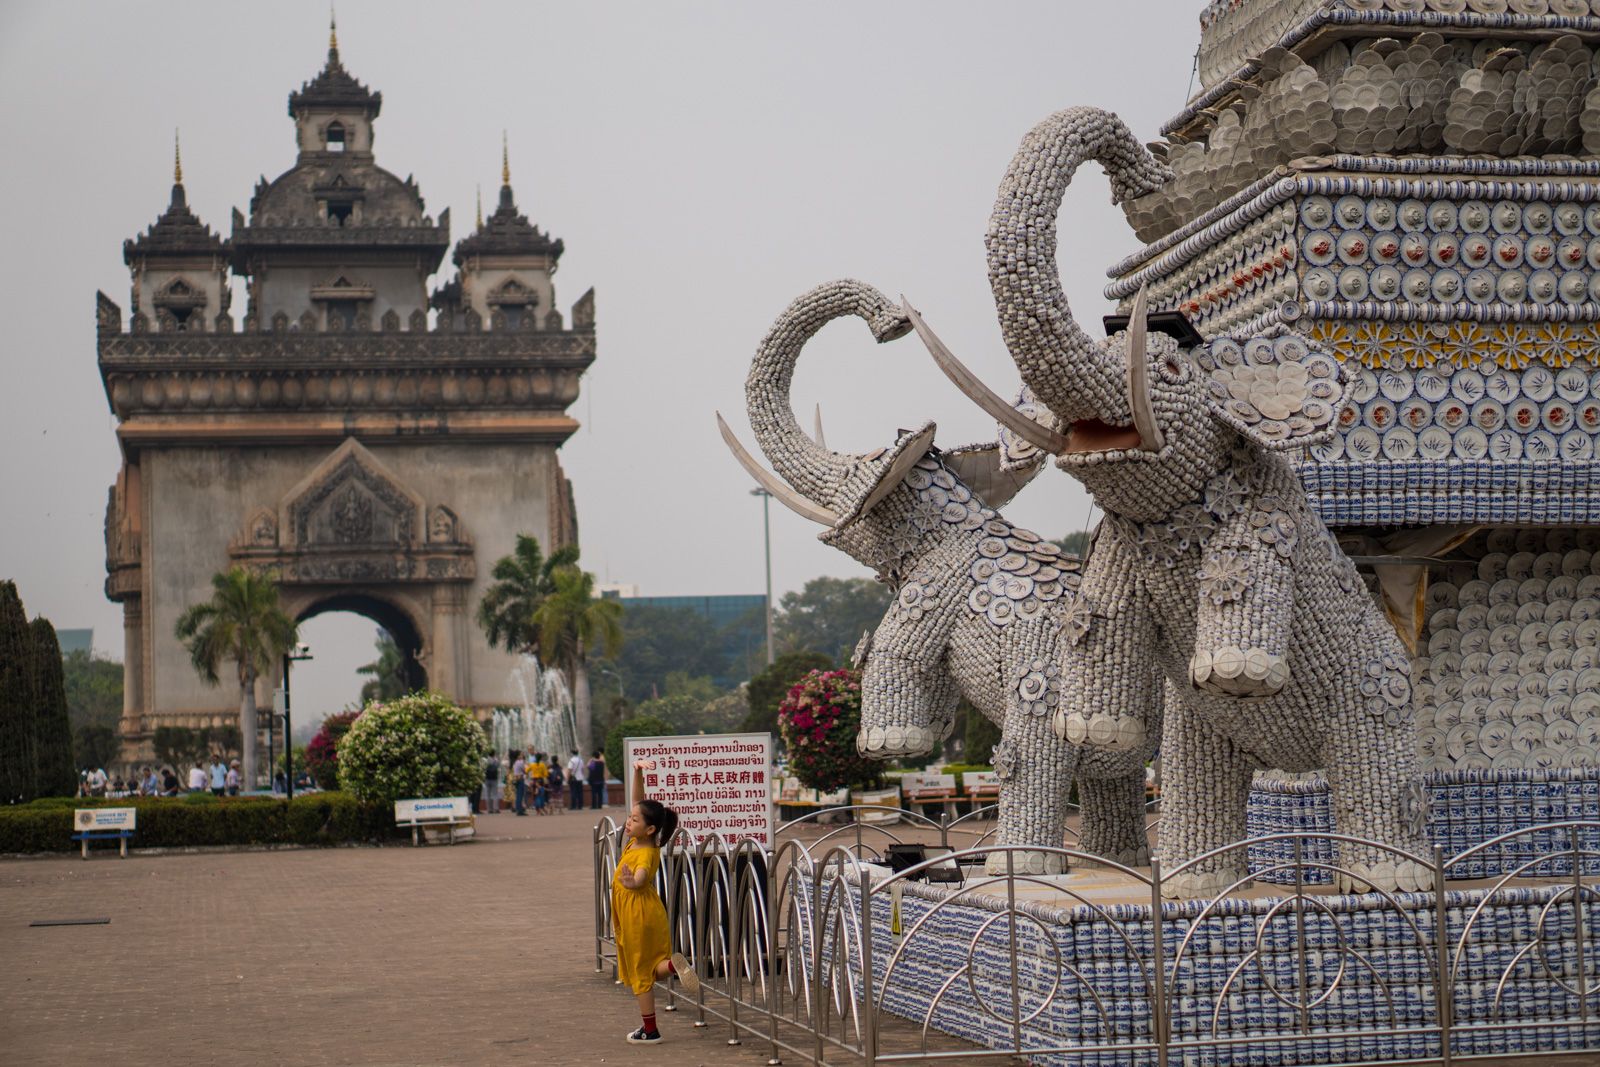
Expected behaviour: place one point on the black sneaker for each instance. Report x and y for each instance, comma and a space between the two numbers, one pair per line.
642, 1036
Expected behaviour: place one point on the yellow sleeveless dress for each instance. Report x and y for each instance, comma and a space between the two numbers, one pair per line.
639, 920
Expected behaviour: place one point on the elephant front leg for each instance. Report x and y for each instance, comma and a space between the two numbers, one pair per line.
1113, 818
1035, 770
1246, 611
1205, 788
1111, 693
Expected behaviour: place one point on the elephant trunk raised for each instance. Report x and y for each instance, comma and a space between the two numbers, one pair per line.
1104, 400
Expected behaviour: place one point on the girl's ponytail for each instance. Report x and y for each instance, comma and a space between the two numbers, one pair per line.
662, 818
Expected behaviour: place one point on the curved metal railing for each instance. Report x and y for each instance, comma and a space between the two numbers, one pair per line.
821, 953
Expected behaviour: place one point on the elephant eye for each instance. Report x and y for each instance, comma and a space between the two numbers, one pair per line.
1173, 369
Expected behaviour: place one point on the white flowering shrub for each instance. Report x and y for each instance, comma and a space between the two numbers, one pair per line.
417, 746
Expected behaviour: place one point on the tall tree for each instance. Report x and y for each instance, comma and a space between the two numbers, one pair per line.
767, 689
829, 615
94, 689
242, 624
572, 623
53, 774
16, 698
659, 641
522, 581
386, 675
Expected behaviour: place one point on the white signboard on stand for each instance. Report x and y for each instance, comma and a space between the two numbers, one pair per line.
717, 783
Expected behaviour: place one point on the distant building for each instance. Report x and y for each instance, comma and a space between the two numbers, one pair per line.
75, 641
740, 619
373, 459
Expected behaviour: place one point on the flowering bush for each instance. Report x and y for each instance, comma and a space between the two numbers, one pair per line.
322, 754
416, 746
819, 719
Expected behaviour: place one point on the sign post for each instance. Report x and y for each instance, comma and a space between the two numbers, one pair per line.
717, 783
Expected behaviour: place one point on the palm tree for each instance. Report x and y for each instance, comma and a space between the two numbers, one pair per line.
241, 623
522, 580
571, 620
386, 676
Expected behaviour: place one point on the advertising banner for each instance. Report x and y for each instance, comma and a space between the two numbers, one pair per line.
717, 783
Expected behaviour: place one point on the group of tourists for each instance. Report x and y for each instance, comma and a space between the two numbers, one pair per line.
218, 778
539, 780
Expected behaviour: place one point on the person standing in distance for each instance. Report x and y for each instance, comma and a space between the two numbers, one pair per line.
575, 769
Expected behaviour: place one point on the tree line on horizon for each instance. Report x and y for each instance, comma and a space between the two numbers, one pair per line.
35, 736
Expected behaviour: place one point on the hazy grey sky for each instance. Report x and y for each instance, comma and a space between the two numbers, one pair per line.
704, 163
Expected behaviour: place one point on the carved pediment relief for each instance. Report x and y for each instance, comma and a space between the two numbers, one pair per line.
179, 293
353, 520
511, 293
350, 499
260, 530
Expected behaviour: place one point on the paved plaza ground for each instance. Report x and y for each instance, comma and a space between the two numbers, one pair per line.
477, 954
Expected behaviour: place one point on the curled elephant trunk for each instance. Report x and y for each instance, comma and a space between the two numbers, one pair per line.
816, 472
1079, 380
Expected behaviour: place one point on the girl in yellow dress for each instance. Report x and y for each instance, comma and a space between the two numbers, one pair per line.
639, 919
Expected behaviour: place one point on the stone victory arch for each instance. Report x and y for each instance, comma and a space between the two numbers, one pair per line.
374, 461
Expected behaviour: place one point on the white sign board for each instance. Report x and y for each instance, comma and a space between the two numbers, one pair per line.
717, 783
922, 784
980, 782
104, 818
440, 808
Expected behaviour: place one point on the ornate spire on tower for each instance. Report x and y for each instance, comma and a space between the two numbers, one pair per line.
177, 159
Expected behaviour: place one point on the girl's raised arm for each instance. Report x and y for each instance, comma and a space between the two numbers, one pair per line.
639, 767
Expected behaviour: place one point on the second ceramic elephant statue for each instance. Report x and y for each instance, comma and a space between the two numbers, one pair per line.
1211, 572
979, 607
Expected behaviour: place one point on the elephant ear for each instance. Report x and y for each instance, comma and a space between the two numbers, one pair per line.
985, 470
1277, 391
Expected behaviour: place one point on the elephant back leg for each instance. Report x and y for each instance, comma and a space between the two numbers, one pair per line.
1375, 790
1036, 771
1205, 788
1113, 818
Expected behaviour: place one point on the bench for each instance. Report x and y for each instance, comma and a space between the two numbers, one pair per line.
449, 813
104, 824
925, 789
982, 788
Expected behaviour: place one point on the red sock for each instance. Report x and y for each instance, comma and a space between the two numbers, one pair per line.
670, 968
650, 1023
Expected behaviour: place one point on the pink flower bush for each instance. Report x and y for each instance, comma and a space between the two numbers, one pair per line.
818, 720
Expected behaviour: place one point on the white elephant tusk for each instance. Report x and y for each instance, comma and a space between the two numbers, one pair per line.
1144, 415
818, 435
785, 495
1036, 434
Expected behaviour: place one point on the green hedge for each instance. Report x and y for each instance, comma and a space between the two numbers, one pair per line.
202, 819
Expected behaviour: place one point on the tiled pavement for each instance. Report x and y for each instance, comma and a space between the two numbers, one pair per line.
477, 954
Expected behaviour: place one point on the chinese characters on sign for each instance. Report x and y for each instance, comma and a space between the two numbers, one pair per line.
717, 783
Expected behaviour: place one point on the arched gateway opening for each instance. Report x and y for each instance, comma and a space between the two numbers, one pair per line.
393, 619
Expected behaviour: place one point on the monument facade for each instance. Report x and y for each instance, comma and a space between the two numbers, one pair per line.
375, 458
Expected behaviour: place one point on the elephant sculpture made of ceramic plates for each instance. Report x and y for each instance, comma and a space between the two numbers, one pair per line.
979, 607
1210, 570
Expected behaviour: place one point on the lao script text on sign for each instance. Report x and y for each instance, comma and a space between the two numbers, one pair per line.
717, 783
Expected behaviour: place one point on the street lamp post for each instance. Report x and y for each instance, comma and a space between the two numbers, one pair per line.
766, 536
296, 654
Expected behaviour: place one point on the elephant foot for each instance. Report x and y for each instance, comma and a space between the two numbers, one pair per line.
1199, 885
1238, 672
1385, 875
892, 742
1025, 863
1117, 733
1130, 857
